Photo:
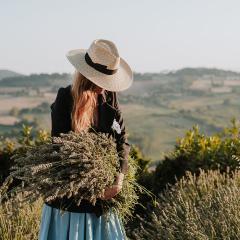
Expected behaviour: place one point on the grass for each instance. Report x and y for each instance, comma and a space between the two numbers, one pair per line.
20, 223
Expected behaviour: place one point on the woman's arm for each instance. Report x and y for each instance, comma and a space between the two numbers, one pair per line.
59, 114
123, 147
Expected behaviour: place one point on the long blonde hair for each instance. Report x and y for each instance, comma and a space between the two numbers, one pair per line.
84, 102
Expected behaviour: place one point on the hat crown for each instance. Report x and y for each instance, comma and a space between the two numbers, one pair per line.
105, 53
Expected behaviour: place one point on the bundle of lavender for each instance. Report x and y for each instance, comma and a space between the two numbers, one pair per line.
78, 165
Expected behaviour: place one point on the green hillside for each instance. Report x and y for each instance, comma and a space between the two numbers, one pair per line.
157, 108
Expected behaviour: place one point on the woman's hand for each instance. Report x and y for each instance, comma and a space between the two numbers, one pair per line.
114, 189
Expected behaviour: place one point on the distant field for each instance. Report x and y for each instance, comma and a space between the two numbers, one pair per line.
153, 128
191, 102
156, 110
156, 130
7, 102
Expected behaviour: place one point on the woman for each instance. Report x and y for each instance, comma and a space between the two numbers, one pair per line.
90, 103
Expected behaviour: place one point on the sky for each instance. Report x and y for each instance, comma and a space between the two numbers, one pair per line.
151, 35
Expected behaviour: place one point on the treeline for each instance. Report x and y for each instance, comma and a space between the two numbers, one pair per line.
43, 79
34, 80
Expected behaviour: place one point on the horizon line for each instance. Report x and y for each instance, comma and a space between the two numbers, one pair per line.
164, 71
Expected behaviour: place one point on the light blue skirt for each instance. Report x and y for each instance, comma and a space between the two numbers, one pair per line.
79, 226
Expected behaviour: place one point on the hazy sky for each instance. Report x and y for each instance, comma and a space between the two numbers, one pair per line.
151, 35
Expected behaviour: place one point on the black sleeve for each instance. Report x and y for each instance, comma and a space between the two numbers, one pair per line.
123, 147
59, 114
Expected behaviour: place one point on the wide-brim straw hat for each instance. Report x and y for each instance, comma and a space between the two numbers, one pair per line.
102, 65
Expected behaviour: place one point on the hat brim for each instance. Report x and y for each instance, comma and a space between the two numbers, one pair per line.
116, 82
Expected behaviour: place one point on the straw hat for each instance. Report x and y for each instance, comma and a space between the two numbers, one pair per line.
102, 65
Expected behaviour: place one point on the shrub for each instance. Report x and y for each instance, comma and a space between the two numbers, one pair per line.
196, 150
203, 207
20, 223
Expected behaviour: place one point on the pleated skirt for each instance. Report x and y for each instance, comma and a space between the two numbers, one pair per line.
79, 226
